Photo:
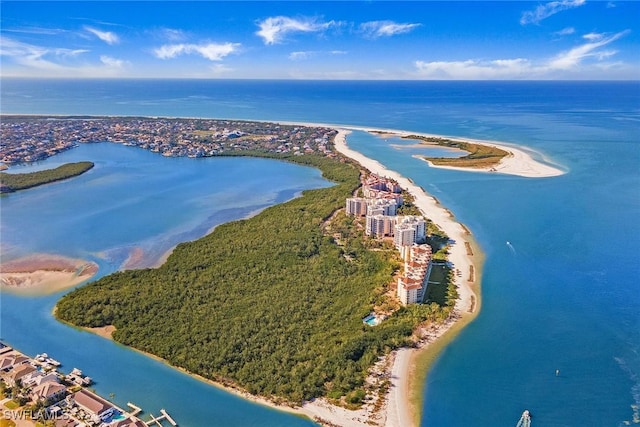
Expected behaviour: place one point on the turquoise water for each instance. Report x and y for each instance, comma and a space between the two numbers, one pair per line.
101, 216
564, 295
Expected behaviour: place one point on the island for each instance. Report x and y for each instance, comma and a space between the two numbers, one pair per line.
10, 182
328, 305
479, 155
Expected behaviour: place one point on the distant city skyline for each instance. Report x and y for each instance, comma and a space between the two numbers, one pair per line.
412, 40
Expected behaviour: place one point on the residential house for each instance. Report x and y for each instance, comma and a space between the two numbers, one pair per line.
22, 373
50, 392
93, 404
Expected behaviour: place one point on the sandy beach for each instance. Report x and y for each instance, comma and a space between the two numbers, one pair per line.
402, 365
44, 274
398, 411
521, 161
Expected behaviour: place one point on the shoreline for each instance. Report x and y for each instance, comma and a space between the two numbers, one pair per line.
410, 366
401, 404
519, 162
311, 410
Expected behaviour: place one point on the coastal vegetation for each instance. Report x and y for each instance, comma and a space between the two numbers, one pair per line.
10, 182
272, 304
480, 155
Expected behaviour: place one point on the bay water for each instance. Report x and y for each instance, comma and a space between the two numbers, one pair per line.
564, 294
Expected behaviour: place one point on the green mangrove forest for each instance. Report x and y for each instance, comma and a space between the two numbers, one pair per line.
272, 304
10, 182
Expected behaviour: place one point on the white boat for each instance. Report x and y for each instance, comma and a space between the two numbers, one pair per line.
525, 419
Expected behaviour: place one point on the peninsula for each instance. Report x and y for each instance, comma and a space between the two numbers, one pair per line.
10, 182
298, 270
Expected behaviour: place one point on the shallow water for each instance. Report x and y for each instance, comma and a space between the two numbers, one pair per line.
563, 295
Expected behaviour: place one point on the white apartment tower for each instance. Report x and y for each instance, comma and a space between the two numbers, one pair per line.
382, 207
356, 206
409, 230
379, 225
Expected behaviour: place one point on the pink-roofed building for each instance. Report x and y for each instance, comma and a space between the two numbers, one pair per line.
93, 404
12, 360
49, 391
412, 286
22, 373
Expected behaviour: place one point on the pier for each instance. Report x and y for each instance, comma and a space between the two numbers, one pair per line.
136, 409
157, 420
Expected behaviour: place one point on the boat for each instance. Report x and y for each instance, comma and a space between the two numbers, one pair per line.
525, 419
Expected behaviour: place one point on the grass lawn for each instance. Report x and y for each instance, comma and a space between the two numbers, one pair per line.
12, 404
437, 291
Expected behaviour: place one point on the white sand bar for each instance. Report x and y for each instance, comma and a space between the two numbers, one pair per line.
520, 161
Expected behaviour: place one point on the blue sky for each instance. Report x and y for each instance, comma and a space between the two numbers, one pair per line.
561, 39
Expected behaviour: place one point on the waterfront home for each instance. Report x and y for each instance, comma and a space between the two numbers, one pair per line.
3, 347
51, 377
11, 361
50, 392
94, 405
22, 373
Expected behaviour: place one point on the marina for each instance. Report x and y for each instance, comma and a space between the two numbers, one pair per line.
37, 380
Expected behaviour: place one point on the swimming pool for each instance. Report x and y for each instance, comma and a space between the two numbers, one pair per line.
371, 320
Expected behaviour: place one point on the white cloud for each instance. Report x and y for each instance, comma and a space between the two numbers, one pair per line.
571, 60
106, 36
172, 34
593, 36
210, 51
27, 60
36, 30
112, 62
375, 29
299, 56
33, 56
302, 55
544, 11
274, 29
219, 69
565, 31
472, 69
573, 57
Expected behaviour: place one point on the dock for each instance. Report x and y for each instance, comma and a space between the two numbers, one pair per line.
157, 420
136, 409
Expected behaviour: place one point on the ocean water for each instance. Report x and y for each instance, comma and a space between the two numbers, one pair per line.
564, 295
